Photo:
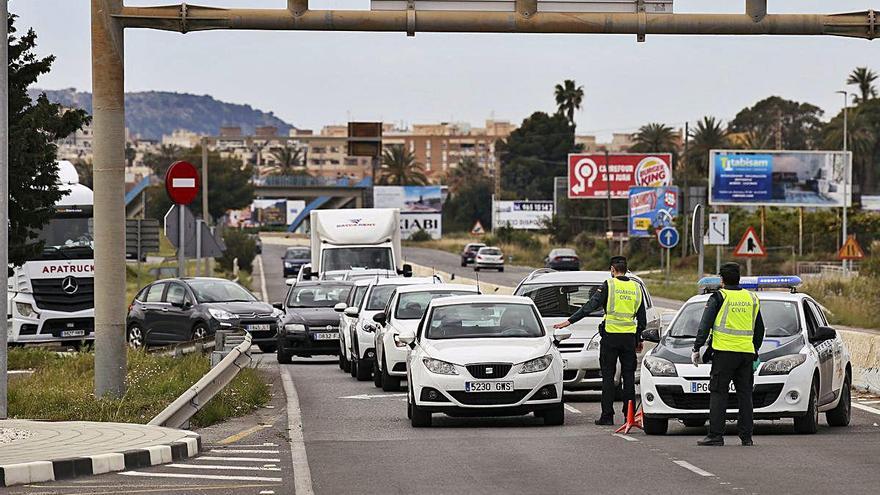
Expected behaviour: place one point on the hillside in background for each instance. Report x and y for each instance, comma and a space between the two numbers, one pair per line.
150, 114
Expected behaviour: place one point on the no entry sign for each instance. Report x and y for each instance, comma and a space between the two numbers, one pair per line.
182, 182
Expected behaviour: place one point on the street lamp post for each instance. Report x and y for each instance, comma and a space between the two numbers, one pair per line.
845, 170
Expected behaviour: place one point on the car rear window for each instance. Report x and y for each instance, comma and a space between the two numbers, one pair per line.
490, 252
412, 305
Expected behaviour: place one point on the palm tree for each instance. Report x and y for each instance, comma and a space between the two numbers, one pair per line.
289, 158
654, 137
709, 134
467, 171
569, 98
161, 159
400, 168
864, 78
862, 142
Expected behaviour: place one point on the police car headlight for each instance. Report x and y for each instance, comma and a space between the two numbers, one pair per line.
220, 314
294, 327
782, 365
537, 364
439, 367
659, 366
25, 309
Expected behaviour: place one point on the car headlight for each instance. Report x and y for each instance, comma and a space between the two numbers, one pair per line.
439, 367
659, 366
594, 343
221, 314
537, 364
277, 313
294, 327
783, 364
288, 264
25, 309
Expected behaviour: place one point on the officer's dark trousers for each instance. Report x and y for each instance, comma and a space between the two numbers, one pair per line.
613, 348
727, 366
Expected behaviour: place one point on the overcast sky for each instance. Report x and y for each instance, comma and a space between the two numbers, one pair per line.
312, 79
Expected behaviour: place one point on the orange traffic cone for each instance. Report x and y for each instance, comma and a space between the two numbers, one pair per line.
633, 419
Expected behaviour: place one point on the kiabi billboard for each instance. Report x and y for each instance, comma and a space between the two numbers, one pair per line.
590, 178
421, 207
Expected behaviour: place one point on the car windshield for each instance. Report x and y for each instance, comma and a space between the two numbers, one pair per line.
412, 305
379, 297
297, 254
483, 320
490, 252
361, 257
780, 320
560, 301
317, 296
207, 291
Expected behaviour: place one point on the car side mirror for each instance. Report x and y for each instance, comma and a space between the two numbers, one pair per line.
651, 335
379, 318
407, 337
340, 307
278, 305
824, 333
289, 282
407, 270
351, 312
561, 334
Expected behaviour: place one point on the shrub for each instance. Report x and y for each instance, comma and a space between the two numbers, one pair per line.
238, 245
420, 236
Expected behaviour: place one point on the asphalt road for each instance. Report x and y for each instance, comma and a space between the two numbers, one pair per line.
451, 263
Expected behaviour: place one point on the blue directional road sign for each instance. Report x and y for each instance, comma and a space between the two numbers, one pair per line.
668, 237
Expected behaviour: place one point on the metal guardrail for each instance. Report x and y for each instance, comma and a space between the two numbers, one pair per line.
179, 412
203, 345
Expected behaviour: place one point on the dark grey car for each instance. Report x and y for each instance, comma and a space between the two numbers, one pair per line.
311, 324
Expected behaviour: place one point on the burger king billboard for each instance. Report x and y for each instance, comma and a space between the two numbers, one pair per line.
590, 178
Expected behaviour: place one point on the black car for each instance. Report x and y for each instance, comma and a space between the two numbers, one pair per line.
294, 259
178, 310
311, 324
563, 259
469, 253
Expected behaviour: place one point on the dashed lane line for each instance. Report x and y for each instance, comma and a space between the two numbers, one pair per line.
225, 468
237, 459
200, 476
694, 469
302, 474
572, 409
869, 409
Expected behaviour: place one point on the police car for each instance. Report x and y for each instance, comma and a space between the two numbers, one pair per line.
804, 365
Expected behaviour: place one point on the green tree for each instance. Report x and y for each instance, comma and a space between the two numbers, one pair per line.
654, 137
708, 134
864, 78
863, 136
464, 172
400, 168
568, 99
797, 125
534, 154
34, 126
469, 201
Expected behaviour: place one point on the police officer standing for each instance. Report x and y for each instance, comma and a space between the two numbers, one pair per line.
733, 315
621, 332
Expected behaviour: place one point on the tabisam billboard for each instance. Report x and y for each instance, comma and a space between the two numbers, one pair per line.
526, 215
421, 207
589, 178
780, 178
651, 208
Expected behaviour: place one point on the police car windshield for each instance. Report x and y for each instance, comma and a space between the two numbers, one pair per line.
483, 320
780, 320
560, 301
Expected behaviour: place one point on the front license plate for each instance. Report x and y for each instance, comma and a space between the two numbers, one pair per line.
73, 333
326, 336
259, 327
488, 386
702, 388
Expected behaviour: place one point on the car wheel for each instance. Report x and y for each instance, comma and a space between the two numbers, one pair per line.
377, 375
554, 416
136, 338
476, 268
346, 365
655, 426
353, 367
341, 362
419, 417
464, 263
809, 422
267, 348
364, 370
284, 357
842, 413
199, 332
389, 383
501, 269
694, 423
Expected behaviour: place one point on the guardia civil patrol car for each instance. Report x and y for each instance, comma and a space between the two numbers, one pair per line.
804, 365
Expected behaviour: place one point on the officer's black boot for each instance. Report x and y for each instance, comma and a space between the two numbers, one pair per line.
710, 441
747, 441
604, 421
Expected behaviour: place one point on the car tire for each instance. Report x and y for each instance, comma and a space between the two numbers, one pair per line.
808, 424
464, 263
554, 416
136, 337
500, 269
353, 367
268, 348
364, 371
476, 269
842, 413
284, 357
655, 426
389, 383
341, 362
199, 332
346, 365
419, 417
694, 423
377, 375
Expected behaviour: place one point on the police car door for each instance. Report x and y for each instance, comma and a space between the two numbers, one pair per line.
836, 381
825, 350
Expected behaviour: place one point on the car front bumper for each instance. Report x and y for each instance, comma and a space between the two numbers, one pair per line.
394, 357
49, 325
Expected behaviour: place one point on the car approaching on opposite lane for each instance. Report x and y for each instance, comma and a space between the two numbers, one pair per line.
311, 324
294, 258
563, 259
483, 356
470, 252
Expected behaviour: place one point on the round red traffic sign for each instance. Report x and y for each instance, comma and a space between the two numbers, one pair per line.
182, 182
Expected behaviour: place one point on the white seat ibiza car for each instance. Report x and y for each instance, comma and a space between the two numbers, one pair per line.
404, 311
558, 295
483, 356
804, 365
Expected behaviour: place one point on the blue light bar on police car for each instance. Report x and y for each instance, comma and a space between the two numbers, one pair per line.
755, 283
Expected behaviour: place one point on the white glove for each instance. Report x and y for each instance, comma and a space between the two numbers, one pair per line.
695, 358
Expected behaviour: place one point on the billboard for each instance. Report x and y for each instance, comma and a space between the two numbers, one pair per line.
590, 178
780, 178
273, 211
651, 208
523, 215
420, 207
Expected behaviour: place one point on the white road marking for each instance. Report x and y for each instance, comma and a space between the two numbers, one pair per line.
230, 468
262, 279
267, 492
302, 474
627, 438
694, 469
862, 402
237, 459
372, 396
866, 408
254, 446
200, 476
183, 182
571, 409
244, 451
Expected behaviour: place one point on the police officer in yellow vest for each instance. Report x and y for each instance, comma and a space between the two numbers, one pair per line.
621, 332
733, 315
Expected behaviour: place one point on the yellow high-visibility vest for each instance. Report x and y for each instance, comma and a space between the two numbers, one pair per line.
624, 299
735, 323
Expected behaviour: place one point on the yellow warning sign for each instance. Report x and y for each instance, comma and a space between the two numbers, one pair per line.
851, 250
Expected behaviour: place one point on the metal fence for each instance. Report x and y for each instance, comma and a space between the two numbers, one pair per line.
822, 269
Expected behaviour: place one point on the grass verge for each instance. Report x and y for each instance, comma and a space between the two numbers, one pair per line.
62, 389
851, 302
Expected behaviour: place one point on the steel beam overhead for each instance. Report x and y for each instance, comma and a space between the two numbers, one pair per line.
184, 18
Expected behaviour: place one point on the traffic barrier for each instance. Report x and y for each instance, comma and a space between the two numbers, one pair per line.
633, 419
203, 345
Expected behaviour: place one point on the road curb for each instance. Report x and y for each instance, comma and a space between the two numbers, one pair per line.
62, 469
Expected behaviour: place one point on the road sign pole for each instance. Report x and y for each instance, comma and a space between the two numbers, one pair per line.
717, 259
801, 231
668, 265
181, 242
198, 247
749, 267
4, 200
